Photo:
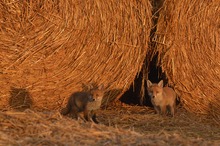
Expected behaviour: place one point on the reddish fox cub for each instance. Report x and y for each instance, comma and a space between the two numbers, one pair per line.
86, 102
162, 97
90, 111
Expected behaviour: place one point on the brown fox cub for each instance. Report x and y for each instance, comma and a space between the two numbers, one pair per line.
85, 102
162, 97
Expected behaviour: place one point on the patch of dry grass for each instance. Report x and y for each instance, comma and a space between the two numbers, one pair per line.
126, 125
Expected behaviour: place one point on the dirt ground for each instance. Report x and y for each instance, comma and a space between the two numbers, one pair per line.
119, 125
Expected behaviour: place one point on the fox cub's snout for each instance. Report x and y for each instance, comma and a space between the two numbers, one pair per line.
162, 97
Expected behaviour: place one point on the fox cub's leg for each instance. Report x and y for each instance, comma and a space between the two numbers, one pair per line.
172, 109
90, 116
86, 115
163, 109
81, 116
93, 114
157, 109
74, 113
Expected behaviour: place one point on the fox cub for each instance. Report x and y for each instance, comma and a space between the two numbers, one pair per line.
92, 107
162, 97
86, 102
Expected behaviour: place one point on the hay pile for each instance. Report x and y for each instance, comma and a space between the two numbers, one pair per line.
187, 37
50, 128
49, 48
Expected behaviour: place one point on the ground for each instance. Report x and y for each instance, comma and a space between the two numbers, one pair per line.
120, 124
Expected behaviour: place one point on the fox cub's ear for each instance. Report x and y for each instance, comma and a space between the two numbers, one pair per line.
149, 83
85, 87
101, 87
160, 84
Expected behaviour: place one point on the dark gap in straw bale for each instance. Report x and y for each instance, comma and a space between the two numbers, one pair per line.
153, 71
132, 95
51, 47
187, 41
137, 93
20, 99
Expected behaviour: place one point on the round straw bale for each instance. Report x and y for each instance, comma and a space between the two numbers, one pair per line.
50, 48
187, 38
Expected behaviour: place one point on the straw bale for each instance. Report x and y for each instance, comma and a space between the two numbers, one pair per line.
187, 38
50, 48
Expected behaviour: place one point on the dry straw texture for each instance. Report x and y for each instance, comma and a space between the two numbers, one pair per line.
188, 43
49, 48
121, 126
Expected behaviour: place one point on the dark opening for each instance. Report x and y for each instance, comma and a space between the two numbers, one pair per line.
133, 96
